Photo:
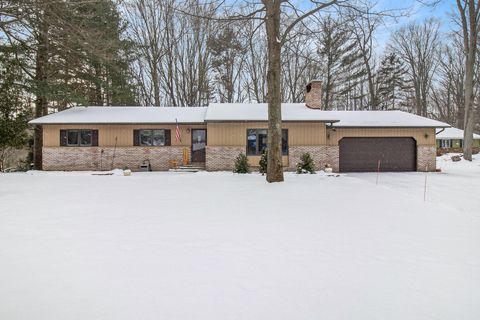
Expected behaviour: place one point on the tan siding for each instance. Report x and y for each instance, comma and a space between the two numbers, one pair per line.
123, 133
423, 136
235, 133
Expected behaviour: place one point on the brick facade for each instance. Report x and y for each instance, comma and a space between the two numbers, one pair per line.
318, 154
333, 157
426, 158
222, 158
98, 158
217, 158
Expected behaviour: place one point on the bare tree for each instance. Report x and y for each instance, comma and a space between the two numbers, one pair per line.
469, 17
300, 63
276, 38
418, 46
448, 94
146, 28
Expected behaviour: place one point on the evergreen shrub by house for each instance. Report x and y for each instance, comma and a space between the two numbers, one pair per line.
241, 164
263, 162
306, 164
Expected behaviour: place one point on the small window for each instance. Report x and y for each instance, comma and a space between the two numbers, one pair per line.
72, 137
445, 143
152, 137
257, 141
82, 138
85, 137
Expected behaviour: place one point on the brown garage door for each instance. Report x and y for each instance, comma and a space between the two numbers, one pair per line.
363, 154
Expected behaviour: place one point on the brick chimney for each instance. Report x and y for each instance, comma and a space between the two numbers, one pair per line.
313, 94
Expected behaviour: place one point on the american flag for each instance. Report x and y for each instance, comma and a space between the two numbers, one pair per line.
177, 133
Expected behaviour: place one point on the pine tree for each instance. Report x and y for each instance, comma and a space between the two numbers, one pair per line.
241, 164
263, 162
306, 164
391, 82
341, 61
227, 50
14, 112
76, 49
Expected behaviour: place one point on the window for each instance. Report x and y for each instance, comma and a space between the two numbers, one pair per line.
76, 138
445, 143
152, 137
257, 141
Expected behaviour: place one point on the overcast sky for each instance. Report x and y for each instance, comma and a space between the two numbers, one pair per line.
415, 11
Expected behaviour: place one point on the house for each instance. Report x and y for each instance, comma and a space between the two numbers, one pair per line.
451, 140
99, 138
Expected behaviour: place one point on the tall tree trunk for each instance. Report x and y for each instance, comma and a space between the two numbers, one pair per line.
272, 23
156, 82
469, 107
469, 15
98, 87
41, 103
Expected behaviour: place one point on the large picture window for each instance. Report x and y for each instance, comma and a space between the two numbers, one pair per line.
257, 141
79, 138
151, 137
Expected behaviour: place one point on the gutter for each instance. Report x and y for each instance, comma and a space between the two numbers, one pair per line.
436, 133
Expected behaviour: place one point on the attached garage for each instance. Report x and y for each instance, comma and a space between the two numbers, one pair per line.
362, 154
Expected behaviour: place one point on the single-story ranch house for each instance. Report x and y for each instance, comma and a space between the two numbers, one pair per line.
99, 138
451, 140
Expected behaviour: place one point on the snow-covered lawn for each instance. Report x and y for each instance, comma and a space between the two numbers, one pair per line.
223, 246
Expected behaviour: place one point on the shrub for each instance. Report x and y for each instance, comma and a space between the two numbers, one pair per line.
306, 164
263, 162
241, 164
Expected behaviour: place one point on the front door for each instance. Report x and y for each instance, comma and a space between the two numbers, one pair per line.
199, 142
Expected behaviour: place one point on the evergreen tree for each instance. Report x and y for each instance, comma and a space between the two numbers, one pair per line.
306, 164
227, 50
93, 67
391, 82
14, 112
241, 164
341, 62
263, 162
75, 55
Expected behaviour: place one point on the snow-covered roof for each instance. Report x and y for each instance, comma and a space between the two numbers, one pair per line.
122, 115
235, 112
454, 133
259, 112
393, 118
300, 112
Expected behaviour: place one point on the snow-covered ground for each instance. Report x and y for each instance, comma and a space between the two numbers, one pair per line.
225, 246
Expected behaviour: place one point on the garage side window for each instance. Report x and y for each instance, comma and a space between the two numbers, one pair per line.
257, 141
78, 137
151, 137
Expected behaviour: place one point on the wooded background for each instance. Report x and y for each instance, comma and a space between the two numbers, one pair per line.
55, 54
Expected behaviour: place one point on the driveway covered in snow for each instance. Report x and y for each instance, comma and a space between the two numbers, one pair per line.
225, 246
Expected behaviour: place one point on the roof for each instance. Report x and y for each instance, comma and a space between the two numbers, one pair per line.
393, 118
299, 112
259, 112
123, 115
235, 112
453, 133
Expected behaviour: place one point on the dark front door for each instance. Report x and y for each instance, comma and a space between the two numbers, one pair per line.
199, 142
363, 154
